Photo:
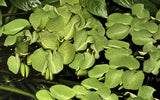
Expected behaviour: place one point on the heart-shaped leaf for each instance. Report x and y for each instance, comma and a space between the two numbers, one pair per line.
62, 92
118, 31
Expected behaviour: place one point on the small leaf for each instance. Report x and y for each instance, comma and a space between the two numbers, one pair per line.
22, 47
112, 97
68, 51
15, 26
114, 18
158, 15
62, 92
39, 60
156, 35
92, 83
96, 7
14, 63
118, 44
118, 31
146, 92
91, 96
44, 95
125, 3
140, 11
113, 78
25, 4
48, 40
3, 3
104, 92
124, 61
10, 40
142, 37
80, 91
98, 71
132, 79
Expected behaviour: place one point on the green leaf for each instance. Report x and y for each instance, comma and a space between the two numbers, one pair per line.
118, 44
48, 40
142, 37
98, 70
158, 15
132, 79
125, 3
114, 18
55, 62
112, 97
149, 47
92, 83
44, 95
0, 19
140, 11
146, 92
156, 35
91, 96
25, 4
10, 40
114, 52
113, 78
71, 2
62, 92
118, 31
124, 61
22, 48
68, 51
14, 63
15, 26
3, 3
80, 91
39, 60
104, 92
96, 7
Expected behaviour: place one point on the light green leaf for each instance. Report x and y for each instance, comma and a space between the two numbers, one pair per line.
62, 92
91, 96
118, 44
15, 26
44, 95
25, 4
14, 63
92, 83
158, 15
124, 61
114, 52
156, 35
55, 62
149, 47
146, 92
98, 71
125, 3
71, 2
96, 7
68, 51
35, 37
48, 40
155, 71
10, 40
132, 79
113, 78
39, 60
114, 18
80, 91
118, 31
140, 11
142, 37
3, 3
104, 92
87, 61
112, 97
22, 47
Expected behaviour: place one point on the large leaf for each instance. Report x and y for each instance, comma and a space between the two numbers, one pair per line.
68, 51
118, 31
44, 95
55, 62
48, 40
125, 3
14, 63
114, 18
96, 7
113, 78
15, 26
132, 79
98, 70
62, 92
25, 4
124, 61
146, 92
39, 60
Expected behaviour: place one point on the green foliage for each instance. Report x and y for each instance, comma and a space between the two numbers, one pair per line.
81, 51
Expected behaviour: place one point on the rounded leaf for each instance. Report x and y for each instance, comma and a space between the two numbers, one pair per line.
146, 92
62, 92
118, 31
44, 95
68, 51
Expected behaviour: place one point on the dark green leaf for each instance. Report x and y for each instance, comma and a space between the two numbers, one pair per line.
125, 3
0, 19
25, 4
132, 79
62, 92
96, 7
